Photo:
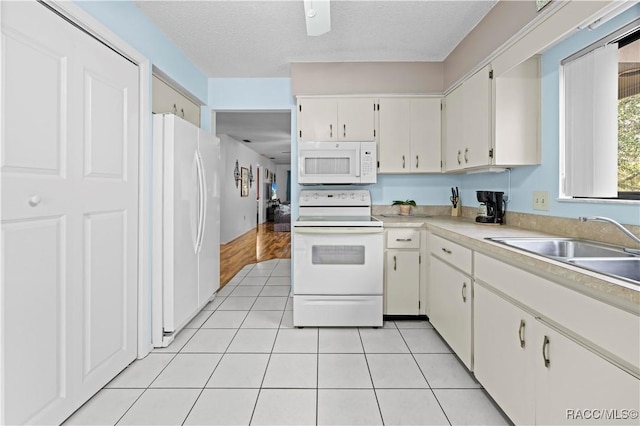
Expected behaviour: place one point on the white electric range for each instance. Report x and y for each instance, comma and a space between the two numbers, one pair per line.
338, 260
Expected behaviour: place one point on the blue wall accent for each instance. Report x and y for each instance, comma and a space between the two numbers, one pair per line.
255, 94
230, 94
545, 177
431, 190
127, 21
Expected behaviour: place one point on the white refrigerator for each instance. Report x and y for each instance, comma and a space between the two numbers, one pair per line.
186, 224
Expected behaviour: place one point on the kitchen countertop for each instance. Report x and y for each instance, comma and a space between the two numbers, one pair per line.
468, 233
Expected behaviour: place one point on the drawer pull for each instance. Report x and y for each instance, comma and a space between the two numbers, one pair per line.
458, 157
403, 161
464, 292
466, 158
395, 264
521, 333
35, 200
330, 130
545, 351
417, 162
403, 239
446, 250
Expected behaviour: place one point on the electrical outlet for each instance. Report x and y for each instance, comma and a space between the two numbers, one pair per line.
541, 200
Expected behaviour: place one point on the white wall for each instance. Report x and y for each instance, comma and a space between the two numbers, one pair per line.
237, 214
281, 181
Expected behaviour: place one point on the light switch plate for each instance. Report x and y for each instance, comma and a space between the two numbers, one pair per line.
541, 200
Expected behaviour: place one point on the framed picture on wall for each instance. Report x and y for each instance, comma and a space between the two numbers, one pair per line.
244, 185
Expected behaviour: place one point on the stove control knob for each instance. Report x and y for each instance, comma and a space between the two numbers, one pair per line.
343, 195
315, 195
363, 198
353, 195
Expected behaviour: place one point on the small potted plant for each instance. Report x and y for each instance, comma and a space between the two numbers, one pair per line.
405, 206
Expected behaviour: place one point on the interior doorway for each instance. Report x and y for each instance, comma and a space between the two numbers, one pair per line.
262, 139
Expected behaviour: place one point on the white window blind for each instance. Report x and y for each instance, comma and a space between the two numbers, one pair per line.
591, 124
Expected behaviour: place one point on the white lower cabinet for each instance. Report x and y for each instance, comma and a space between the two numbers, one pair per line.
576, 386
403, 272
536, 368
503, 354
450, 307
402, 289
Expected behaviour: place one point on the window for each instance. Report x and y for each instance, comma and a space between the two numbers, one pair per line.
629, 116
601, 126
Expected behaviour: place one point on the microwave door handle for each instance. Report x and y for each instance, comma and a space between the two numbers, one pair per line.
358, 155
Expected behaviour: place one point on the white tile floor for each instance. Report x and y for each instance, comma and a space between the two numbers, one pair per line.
241, 362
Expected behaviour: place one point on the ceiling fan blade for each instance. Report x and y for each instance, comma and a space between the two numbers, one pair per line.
317, 14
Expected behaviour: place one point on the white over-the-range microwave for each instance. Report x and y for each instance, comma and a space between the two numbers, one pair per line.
337, 163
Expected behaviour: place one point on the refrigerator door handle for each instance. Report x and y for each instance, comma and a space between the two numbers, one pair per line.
202, 197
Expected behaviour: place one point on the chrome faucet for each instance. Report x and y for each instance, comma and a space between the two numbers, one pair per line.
617, 224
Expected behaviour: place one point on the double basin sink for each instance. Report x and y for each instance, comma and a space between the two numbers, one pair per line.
599, 257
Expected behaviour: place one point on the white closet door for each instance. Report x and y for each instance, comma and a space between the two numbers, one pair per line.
69, 215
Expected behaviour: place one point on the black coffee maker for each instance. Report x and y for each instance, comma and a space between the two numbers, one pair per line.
492, 207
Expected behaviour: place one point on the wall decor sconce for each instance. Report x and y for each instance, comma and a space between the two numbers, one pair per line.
236, 174
250, 176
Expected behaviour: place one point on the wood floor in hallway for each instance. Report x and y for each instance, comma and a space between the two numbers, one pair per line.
257, 245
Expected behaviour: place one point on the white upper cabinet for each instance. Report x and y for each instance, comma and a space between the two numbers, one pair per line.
394, 142
409, 135
166, 99
517, 109
336, 119
356, 119
426, 135
317, 119
494, 120
467, 123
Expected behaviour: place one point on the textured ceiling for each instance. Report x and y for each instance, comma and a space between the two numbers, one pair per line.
237, 38
269, 132
261, 38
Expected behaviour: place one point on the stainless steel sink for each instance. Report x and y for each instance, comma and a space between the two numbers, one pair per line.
628, 268
599, 257
564, 247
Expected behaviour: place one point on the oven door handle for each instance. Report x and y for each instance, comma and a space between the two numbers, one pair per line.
338, 230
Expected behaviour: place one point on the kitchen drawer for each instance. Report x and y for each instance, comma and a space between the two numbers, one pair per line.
403, 238
450, 252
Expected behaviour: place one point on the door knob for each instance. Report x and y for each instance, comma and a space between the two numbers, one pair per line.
35, 200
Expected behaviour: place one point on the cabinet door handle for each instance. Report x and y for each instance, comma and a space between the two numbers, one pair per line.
182, 112
464, 292
330, 130
466, 158
395, 264
458, 157
417, 162
344, 130
175, 109
403, 239
34, 200
403, 161
545, 351
521, 333
446, 250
